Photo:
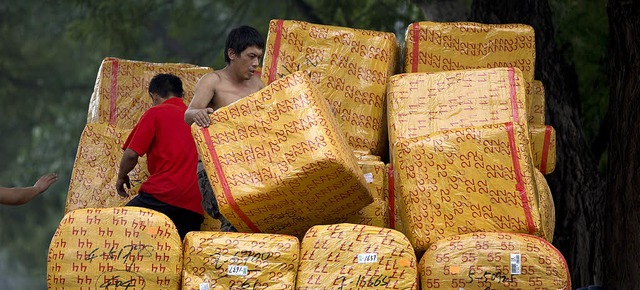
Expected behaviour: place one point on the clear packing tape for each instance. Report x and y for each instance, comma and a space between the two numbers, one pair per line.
350, 256
120, 95
278, 162
467, 180
445, 46
121, 247
480, 261
350, 67
214, 260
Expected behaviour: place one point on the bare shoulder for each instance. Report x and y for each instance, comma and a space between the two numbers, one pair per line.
210, 78
256, 82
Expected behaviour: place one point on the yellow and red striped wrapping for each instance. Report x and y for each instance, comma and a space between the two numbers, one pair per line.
444, 46
349, 66
95, 169
277, 161
348, 256
121, 247
547, 206
493, 261
536, 111
120, 95
377, 213
466, 180
215, 260
543, 147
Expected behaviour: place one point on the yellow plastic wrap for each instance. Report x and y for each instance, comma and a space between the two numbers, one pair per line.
443, 46
349, 66
377, 213
543, 147
121, 96
536, 111
215, 260
95, 170
467, 180
395, 222
348, 256
210, 224
115, 248
423, 103
547, 206
493, 261
278, 162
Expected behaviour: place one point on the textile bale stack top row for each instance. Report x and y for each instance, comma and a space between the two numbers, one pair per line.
342, 173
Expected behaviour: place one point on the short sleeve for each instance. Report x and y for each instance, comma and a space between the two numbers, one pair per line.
140, 138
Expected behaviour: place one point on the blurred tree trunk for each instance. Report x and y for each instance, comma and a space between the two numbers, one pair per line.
622, 214
576, 184
443, 10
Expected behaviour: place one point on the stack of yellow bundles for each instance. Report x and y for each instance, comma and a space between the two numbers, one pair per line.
543, 137
278, 162
424, 103
349, 66
442, 46
493, 261
467, 180
214, 260
543, 147
545, 205
536, 114
348, 256
377, 213
115, 248
95, 170
121, 94
119, 99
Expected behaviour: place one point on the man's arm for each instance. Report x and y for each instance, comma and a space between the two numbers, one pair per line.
198, 110
22, 195
128, 162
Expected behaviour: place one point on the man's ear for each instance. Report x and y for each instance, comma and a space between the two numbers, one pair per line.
232, 54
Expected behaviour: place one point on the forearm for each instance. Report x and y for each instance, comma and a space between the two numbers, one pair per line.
127, 163
189, 116
18, 195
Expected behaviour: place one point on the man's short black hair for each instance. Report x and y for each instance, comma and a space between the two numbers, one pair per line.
240, 38
166, 85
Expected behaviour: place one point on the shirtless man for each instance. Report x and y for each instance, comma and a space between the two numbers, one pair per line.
243, 49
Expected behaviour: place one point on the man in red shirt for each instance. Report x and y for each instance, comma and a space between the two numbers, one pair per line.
161, 133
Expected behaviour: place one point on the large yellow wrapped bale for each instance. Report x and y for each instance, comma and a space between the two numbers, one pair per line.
443, 46
423, 103
278, 162
115, 248
348, 256
377, 213
95, 170
543, 147
547, 206
536, 111
121, 96
467, 180
215, 260
493, 261
349, 66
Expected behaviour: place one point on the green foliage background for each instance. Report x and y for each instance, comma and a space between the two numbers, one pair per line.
50, 52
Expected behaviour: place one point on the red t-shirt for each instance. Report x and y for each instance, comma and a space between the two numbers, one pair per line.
172, 158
